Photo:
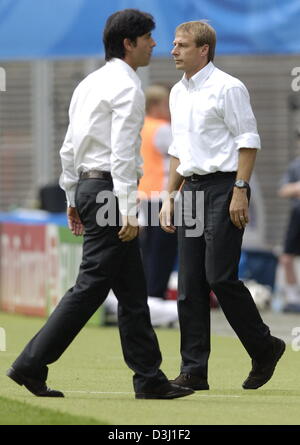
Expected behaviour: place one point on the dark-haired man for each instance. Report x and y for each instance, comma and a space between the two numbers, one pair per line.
100, 154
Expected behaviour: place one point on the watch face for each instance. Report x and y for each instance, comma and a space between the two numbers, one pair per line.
240, 183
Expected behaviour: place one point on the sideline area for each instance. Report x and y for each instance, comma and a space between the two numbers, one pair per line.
98, 385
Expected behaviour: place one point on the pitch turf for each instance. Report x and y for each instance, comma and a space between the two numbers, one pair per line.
98, 385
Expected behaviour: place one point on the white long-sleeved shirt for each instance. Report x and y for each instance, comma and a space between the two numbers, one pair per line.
211, 120
106, 116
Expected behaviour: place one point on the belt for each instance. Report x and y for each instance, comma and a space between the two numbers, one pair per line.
95, 174
196, 178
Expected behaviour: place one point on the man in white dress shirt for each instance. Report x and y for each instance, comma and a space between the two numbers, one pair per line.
213, 152
101, 159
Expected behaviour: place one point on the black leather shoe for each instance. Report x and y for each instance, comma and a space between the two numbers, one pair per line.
191, 381
165, 391
37, 387
261, 372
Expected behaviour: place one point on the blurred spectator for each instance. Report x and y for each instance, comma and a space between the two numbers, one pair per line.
159, 249
52, 198
290, 188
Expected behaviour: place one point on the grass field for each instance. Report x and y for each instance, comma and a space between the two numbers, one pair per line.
98, 385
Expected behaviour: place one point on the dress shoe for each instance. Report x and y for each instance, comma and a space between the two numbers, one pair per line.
37, 387
165, 391
262, 371
191, 381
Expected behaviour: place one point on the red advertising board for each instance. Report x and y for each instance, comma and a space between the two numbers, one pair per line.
23, 269
38, 264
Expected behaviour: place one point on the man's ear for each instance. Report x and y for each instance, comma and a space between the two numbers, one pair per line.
205, 50
128, 44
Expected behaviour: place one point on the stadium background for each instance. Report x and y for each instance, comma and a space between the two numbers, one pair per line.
45, 54
47, 47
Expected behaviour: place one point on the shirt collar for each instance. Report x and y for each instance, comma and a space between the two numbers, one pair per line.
198, 79
123, 65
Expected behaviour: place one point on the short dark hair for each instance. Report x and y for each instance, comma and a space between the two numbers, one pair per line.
128, 23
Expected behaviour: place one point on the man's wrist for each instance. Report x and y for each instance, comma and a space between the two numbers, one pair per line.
172, 195
241, 184
240, 192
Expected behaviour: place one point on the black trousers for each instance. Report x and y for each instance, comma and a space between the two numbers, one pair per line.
159, 253
210, 262
292, 237
107, 263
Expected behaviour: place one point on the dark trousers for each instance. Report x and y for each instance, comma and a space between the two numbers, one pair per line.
210, 262
159, 252
107, 263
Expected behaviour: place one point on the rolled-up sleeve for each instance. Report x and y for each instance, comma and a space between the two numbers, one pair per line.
173, 150
239, 117
127, 121
68, 178
139, 159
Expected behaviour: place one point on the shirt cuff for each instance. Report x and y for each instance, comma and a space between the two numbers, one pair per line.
127, 197
70, 194
248, 140
128, 203
172, 151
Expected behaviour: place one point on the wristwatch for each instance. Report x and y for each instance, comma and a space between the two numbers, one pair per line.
241, 184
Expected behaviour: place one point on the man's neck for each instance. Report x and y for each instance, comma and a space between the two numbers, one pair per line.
129, 62
190, 74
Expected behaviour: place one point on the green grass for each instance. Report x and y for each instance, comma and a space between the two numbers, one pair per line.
14, 412
98, 385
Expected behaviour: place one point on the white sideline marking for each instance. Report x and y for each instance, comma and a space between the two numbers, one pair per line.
2, 340
166, 357
98, 392
132, 393
214, 395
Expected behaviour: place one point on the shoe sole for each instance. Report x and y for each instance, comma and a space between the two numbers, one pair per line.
193, 387
280, 354
199, 387
166, 397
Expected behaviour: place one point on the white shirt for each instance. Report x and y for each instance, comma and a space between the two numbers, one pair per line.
211, 119
106, 115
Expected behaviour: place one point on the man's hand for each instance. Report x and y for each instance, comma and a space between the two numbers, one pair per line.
74, 223
166, 215
130, 228
239, 208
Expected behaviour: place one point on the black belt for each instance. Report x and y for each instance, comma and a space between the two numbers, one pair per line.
94, 174
195, 178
